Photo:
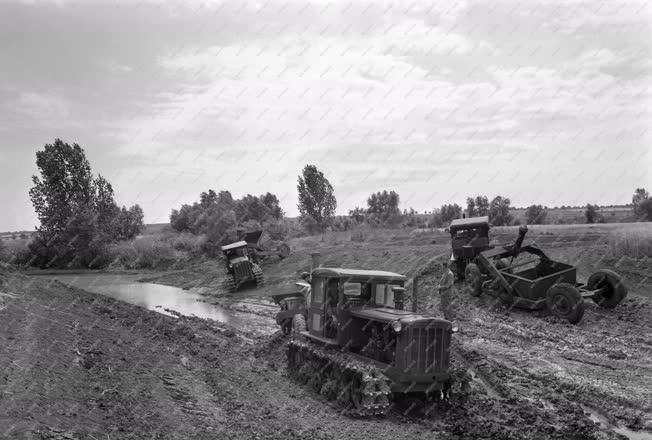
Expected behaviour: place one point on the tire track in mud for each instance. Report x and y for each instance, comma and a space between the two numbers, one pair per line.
518, 361
525, 359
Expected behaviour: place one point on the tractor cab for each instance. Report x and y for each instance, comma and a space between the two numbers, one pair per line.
235, 252
469, 237
336, 293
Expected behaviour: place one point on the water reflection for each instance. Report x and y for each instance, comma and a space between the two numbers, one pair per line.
151, 296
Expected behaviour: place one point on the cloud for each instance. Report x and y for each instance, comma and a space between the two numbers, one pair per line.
170, 98
44, 108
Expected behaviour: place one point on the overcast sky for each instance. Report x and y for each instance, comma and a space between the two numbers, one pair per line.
543, 102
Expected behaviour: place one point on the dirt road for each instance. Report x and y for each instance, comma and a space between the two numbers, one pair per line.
78, 365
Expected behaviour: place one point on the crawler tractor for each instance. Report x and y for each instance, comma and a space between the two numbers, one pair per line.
540, 282
353, 342
240, 268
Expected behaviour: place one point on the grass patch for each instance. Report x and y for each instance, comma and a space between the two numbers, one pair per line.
633, 242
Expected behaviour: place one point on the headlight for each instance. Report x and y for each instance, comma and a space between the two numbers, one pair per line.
397, 326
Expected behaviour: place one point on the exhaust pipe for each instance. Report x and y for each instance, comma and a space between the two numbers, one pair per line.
315, 260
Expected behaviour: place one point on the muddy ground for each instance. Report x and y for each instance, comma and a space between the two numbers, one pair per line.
77, 365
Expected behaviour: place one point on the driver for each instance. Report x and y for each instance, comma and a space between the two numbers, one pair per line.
330, 325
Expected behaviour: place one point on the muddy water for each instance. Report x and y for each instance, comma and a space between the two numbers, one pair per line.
163, 299
622, 430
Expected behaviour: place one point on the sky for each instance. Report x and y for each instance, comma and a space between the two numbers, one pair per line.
542, 102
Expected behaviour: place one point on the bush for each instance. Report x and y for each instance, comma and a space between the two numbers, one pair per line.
144, 253
535, 215
310, 224
277, 229
192, 244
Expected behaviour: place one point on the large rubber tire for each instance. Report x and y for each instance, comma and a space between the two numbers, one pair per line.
615, 291
298, 326
473, 279
566, 302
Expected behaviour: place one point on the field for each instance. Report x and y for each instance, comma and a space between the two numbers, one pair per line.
79, 365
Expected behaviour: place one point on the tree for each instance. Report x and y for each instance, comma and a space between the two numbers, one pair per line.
358, 214
437, 221
128, 223
105, 206
645, 210
64, 188
271, 202
481, 205
591, 213
448, 213
535, 214
77, 213
470, 207
499, 214
477, 206
639, 200
218, 215
383, 206
316, 198
207, 198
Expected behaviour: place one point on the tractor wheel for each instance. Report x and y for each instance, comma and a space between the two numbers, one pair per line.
473, 278
258, 275
228, 284
286, 326
298, 326
566, 302
615, 290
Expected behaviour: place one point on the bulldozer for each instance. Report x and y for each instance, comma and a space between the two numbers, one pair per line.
240, 267
353, 343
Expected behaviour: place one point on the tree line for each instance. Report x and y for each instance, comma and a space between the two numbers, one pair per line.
79, 217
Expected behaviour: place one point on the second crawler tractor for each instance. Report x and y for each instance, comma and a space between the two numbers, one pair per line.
355, 344
240, 268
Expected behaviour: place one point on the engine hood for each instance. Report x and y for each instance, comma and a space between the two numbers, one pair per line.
387, 315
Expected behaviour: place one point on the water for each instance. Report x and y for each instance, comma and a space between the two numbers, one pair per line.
163, 299
596, 417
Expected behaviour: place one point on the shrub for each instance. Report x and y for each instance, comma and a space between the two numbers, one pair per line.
192, 244
310, 224
536, 214
277, 229
144, 253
